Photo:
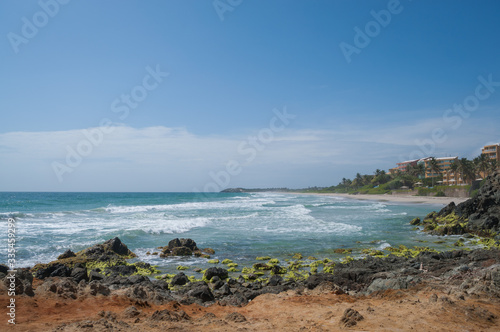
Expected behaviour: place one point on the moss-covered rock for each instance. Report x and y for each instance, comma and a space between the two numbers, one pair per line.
415, 221
100, 256
342, 251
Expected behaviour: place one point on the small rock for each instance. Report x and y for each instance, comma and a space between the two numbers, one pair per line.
131, 312
350, 318
236, 317
67, 254
209, 251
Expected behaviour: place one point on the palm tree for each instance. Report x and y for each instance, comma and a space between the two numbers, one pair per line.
358, 180
416, 170
482, 164
466, 168
454, 169
433, 168
493, 165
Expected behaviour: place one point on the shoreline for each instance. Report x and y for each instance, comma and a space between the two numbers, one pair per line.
398, 198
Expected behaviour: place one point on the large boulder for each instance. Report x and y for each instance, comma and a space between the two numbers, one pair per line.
111, 249
202, 293
181, 251
79, 273
179, 247
216, 272
180, 279
55, 270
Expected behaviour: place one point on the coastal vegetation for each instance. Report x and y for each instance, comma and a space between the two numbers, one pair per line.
416, 179
413, 177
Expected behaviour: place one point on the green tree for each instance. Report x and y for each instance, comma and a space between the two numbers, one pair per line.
493, 165
380, 177
416, 170
433, 168
482, 165
454, 169
466, 168
358, 181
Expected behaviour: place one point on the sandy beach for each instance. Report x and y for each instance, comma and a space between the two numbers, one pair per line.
402, 198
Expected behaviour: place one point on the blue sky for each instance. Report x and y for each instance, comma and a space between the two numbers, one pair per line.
224, 70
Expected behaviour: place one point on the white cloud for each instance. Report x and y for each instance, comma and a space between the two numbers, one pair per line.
173, 159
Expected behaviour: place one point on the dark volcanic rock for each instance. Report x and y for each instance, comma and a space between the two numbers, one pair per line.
23, 281
181, 251
124, 270
179, 247
202, 293
350, 318
169, 316
56, 270
112, 252
316, 279
95, 275
138, 279
182, 243
67, 254
236, 317
216, 272
174, 244
481, 214
79, 274
4, 269
109, 250
131, 312
64, 287
275, 281
180, 279
95, 288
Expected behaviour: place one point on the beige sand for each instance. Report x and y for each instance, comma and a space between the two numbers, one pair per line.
402, 198
392, 310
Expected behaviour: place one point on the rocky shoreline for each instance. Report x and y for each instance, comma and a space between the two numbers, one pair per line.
459, 274
462, 281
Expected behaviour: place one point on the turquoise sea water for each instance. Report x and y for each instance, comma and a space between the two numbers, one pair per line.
237, 226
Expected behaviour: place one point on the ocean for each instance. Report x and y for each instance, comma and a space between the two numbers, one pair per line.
238, 226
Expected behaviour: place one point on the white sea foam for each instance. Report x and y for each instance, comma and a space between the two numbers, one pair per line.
383, 245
